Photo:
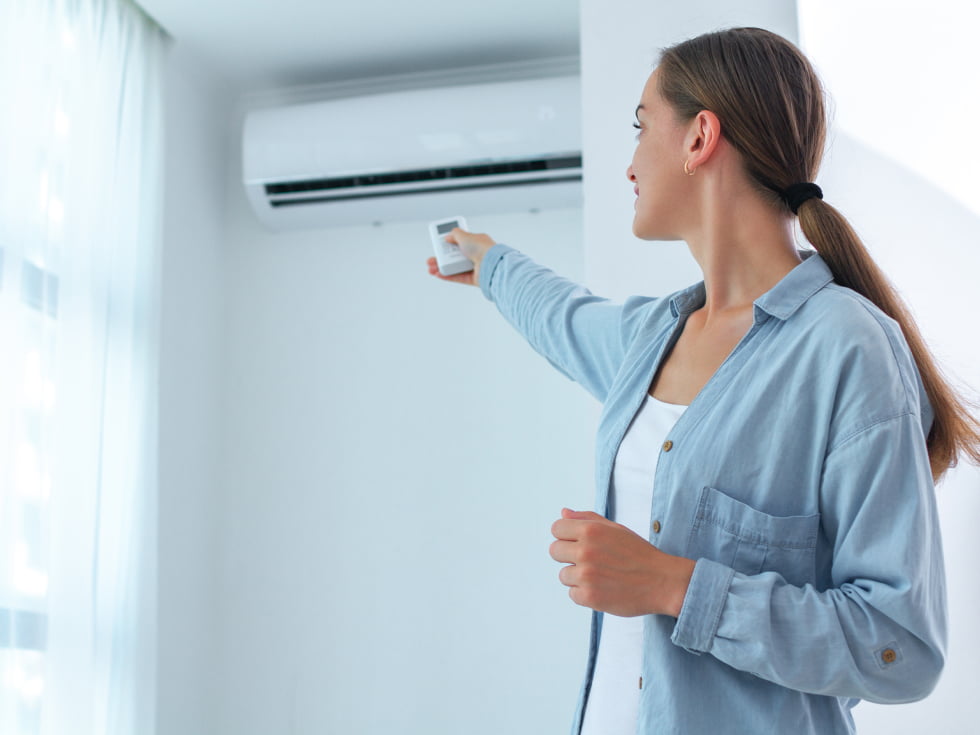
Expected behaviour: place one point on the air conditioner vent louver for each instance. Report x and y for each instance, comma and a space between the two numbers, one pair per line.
423, 175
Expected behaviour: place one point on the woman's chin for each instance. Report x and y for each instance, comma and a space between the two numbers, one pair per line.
644, 232
644, 228
653, 234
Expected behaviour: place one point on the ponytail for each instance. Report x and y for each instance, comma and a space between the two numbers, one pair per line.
954, 428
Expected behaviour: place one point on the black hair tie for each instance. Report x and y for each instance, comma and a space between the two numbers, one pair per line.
795, 194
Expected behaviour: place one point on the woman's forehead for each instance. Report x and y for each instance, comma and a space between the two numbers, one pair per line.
649, 97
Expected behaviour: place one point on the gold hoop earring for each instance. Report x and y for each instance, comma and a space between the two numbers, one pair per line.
689, 173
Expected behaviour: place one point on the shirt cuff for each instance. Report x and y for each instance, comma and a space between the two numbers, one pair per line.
489, 265
703, 604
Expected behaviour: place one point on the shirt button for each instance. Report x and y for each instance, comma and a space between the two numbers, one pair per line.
656, 526
889, 656
668, 445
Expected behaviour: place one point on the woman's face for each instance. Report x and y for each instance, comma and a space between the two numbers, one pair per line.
657, 171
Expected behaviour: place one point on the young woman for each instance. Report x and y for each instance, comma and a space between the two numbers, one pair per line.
766, 551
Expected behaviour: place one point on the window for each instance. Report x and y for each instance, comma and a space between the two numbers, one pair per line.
80, 141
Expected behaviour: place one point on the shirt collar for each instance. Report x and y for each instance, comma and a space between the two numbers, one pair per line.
781, 301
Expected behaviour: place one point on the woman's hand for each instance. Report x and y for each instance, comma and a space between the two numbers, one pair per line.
614, 570
474, 247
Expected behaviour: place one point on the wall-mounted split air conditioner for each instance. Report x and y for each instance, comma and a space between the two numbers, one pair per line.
418, 155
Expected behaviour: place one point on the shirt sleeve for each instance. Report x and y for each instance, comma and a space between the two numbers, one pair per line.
879, 633
584, 336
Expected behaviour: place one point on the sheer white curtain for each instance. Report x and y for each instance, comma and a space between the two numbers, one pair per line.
80, 201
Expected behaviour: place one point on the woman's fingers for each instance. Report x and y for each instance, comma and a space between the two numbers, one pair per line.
466, 278
474, 246
576, 525
563, 551
582, 515
567, 576
613, 569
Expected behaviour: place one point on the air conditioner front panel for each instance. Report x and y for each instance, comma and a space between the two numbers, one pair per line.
375, 147
416, 129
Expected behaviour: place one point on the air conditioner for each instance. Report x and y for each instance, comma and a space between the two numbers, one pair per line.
416, 155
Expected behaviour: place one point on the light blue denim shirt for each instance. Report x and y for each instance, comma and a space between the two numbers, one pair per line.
799, 481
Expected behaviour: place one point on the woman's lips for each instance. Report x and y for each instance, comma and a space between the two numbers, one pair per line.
636, 190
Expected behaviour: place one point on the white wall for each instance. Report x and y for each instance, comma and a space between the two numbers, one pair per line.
191, 376
393, 457
922, 238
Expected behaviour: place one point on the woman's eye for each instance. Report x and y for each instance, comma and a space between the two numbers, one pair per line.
637, 126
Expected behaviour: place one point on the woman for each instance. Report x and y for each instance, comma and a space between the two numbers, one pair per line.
766, 551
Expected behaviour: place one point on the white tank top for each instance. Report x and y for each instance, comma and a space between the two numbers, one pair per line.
614, 698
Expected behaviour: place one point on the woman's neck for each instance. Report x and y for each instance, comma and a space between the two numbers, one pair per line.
743, 248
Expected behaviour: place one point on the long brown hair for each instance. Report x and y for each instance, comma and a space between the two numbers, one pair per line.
771, 106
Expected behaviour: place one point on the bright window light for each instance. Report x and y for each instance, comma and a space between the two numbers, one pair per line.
56, 211
27, 581
43, 194
62, 124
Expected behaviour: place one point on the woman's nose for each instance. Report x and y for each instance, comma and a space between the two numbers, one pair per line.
629, 173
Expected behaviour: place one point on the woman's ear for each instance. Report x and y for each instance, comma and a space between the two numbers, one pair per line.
704, 134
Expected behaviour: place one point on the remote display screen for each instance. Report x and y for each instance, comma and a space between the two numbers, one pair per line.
446, 227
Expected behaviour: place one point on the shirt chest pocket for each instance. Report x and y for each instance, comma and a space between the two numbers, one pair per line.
730, 532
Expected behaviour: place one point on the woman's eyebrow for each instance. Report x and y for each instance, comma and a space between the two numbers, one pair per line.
637, 113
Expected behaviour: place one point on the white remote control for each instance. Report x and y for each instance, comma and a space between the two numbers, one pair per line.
449, 257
